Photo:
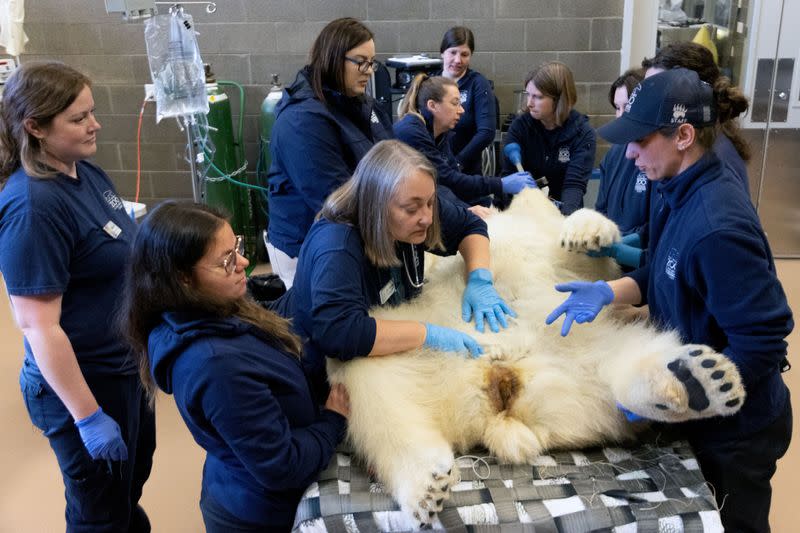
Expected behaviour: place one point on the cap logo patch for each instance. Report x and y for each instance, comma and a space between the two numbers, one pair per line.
706, 113
678, 114
632, 99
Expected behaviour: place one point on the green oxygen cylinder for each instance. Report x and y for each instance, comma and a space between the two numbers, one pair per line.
267, 120
233, 199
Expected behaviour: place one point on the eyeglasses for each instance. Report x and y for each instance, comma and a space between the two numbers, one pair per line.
229, 263
364, 65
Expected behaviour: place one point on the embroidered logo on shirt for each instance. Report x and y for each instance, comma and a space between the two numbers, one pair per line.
672, 263
563, 154
678, 114
464, 96
112, 199
641, 182
374, 118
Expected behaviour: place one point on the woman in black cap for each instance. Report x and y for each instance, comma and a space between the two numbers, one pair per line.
711, 277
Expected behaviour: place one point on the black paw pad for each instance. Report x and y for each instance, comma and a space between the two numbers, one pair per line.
431, 514
726, 387
697, 395
717, 374
445, 487
732, 403
439, 501
695, 353
708, 363
661, 406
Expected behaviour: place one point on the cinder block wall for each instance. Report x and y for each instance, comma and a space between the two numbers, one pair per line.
248, 40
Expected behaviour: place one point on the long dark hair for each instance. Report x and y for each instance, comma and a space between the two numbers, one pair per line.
37, 91
169, 243
326, 58
731, 102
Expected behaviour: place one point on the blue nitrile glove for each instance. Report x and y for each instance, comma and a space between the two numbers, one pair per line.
450, 340
480, 299
583, 305
624, 254
514, 183
102, 437
630, 415
632, 239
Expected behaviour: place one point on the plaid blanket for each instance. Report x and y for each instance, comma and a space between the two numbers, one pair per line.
652, 488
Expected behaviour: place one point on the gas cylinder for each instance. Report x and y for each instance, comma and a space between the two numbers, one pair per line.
233, 199
267, 121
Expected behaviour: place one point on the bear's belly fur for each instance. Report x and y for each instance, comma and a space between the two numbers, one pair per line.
532, 390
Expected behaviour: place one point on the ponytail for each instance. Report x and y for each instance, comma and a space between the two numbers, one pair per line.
422, 89
731, 103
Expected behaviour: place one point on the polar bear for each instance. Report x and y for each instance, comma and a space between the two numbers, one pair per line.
533, 390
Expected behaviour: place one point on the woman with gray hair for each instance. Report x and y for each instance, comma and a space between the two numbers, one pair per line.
367, 247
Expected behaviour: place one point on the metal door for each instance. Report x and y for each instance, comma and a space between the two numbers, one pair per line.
772, 82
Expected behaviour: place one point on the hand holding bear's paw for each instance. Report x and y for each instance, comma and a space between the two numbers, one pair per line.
450, 340
481, 300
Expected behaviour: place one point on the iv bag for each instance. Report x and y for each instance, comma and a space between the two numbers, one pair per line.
175, 65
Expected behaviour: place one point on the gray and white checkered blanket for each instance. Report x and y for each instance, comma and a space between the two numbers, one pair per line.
621, 490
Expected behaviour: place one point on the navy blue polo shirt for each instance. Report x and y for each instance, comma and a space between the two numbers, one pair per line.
70, 237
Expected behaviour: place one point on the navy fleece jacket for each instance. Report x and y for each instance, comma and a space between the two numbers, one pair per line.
336, 285
468, 188
564, 154
249, 406
476, 127
624, 194
315, 147
711, 276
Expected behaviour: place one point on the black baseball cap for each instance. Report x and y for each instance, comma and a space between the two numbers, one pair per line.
673, 97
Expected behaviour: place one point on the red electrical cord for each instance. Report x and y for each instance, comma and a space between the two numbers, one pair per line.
139, 150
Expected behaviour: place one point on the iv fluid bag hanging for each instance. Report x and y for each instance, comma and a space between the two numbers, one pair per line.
175, 65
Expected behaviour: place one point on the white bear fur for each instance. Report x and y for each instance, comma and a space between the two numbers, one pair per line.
410, 411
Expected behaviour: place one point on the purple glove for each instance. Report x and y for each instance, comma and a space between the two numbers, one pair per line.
481, 299
102, 437
583, 305
514, 183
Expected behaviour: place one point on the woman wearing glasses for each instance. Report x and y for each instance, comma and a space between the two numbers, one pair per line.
367, 248
64, 242
557, 141
324, 125
233, 367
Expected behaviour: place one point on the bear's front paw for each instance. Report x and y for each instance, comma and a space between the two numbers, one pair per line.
698, 383
587, 230
423, 498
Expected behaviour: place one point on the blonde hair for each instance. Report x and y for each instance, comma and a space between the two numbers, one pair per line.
422, 89
554, 79
364, 200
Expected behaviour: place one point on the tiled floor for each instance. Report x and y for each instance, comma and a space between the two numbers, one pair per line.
31, 497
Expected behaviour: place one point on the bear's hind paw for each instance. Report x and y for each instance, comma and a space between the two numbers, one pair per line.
698, 383
425, 499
